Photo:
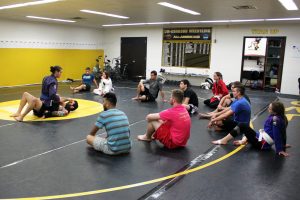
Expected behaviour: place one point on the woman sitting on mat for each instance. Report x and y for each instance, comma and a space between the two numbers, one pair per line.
219, 90
105, 85
274, 132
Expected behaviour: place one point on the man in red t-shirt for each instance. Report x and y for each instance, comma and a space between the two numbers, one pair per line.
172, 126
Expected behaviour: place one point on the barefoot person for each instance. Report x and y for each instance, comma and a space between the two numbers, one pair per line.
190, 100
41, 110
274, 132
172, 126
148, 90
48, 96
116, 125
105, 85
87, 80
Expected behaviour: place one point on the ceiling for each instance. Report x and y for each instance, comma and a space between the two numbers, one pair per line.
147, 11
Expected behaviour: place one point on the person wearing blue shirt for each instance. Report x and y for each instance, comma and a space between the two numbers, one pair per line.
87, 80
274, 132
239, 111
117, 140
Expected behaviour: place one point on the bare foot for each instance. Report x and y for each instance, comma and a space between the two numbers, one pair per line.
238, 143
72, 88
288, 146
135, 98
219, 142
15, 115
143, 138
18, 118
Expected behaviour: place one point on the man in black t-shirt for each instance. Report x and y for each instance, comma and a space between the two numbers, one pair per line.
190, 100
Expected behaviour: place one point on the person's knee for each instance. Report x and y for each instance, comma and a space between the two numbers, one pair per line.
90, 139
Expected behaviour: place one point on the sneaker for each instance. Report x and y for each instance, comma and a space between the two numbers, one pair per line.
194, 109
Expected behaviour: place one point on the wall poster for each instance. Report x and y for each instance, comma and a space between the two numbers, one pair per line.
186, 47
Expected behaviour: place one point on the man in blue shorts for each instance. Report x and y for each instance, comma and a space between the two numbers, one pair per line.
116, 125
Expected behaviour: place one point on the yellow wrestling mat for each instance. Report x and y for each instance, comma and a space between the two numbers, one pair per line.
85, 108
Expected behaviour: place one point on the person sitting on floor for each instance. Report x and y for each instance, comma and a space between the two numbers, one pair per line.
190, 100
219, 90
172, 126
274, 132
105, 85
39, 108
116, 125
148, 90
87, 79
239, 111
225, 102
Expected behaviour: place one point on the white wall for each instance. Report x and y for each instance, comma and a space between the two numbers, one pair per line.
226, 53
19, 34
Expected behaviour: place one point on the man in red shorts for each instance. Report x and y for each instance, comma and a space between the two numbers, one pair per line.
172, 126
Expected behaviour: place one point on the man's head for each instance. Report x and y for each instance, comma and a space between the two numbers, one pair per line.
87, 70
176, 97
238, 91
184, 84
71, 106
153, 75
109, 101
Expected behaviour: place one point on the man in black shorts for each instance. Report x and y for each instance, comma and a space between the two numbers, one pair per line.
190, 100
148, 90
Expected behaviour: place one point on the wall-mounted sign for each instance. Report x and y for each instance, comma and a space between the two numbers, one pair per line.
264, 31
186, 47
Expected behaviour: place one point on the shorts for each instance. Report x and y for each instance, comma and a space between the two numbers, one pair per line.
229, 124
149, 96
41, 111
163, 135
87, 88
100, 144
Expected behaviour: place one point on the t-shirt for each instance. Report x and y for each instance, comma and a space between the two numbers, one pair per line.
241, 109
154, 86
87, 79
116, 125
193, 98
180, 124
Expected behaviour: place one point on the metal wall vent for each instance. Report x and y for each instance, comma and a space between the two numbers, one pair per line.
245, 7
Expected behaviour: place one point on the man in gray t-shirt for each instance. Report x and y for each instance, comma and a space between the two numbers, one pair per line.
148, 90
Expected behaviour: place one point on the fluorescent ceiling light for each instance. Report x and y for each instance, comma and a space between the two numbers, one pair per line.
199, 22
283, 19
247, 20
27, 4
51, 19
289, 4
178, 8
106, 14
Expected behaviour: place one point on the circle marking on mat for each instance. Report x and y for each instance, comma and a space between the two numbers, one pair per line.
85, 108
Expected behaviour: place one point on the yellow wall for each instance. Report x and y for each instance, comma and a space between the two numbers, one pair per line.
21, 66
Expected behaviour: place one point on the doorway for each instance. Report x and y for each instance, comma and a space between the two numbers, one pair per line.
134, 56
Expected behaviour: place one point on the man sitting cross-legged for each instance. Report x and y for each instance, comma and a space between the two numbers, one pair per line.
172, 126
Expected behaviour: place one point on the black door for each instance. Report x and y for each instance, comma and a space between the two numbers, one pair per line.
133, 54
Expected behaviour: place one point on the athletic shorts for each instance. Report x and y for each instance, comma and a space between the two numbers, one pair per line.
87, 88
149, 96
100, 144
229, 124
41, 111
163, 135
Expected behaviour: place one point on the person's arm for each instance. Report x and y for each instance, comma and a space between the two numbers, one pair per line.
225, 115
276, 128
94, 130
152, 117
52, 93
162, 94
222, 101
220, 113
186, 100
95, 82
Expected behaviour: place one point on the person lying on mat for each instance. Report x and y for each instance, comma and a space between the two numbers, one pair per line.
38, 106
274, 132
172, 126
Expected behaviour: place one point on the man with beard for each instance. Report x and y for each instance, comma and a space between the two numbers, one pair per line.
116, 124
172, 126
